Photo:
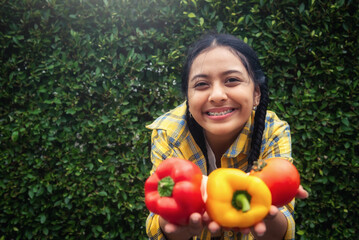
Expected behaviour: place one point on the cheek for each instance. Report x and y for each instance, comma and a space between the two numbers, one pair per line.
194, 96
196, 100
242, 95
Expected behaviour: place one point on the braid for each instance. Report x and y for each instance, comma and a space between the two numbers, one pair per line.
259, 125
197, 132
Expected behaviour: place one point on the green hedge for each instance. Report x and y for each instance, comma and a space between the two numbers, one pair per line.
80, 79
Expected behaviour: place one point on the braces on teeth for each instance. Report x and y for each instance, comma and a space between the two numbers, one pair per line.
219, 113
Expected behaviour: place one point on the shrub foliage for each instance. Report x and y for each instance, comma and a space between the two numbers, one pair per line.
80, 79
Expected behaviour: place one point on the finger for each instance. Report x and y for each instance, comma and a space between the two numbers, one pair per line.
170, 228
195, 224
302, 194
273, 211
260, 228
195, 220
214, 227
205, 218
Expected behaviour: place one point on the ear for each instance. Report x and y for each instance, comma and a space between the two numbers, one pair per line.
256, 95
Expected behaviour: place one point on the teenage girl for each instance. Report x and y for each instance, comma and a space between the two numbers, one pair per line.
224, 122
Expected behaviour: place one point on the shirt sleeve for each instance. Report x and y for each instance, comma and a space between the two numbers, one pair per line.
276, 140
153, 228
160, 150
277, 143
288, 211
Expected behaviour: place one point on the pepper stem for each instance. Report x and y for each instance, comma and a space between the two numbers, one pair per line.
165, 187
259, 165
241, 201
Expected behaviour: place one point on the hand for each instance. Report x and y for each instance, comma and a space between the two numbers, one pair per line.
274, 215
274, 219
259, 229
194, 227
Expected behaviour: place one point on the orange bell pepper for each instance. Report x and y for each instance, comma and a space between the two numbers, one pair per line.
235, 199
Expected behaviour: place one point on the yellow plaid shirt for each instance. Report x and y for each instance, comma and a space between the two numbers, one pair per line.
171, 138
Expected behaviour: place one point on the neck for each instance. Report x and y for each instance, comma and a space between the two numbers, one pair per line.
219, 144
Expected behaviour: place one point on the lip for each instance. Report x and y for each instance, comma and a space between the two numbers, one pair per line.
219, 110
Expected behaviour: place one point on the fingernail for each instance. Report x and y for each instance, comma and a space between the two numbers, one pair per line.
196, 219
167, 229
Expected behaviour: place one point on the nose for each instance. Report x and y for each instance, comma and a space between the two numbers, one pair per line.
218, 94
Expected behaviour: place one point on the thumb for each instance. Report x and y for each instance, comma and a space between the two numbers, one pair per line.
302, 194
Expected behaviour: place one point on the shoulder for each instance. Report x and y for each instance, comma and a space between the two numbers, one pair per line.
172, 120
276, 141
275, 127
272, 120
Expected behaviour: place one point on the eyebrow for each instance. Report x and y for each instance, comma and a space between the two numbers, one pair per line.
199, 76
232, 71
224, 74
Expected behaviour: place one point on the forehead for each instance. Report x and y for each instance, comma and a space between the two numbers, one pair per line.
217, 58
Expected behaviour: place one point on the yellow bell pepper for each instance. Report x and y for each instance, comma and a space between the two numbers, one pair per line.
235, 199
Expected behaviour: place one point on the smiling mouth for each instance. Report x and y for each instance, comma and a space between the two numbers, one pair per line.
220, 113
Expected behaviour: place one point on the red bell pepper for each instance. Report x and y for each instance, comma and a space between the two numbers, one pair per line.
173, 191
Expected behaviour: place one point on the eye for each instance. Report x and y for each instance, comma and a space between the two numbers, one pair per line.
233, 81
200, 85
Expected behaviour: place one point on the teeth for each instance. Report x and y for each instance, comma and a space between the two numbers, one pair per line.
219, 113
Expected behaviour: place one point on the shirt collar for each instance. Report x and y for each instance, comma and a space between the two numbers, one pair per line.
174, 122
242, 143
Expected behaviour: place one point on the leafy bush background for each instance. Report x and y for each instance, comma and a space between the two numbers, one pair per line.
80, 79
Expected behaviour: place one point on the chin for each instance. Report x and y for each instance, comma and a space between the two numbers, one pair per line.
220, 132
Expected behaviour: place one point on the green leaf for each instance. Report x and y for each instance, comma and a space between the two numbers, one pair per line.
240, 20
57, 101
71, 111
345, 121
280, 106
300, 232
301, 8
90, 166
201, 21
105, 119
219, 26
49, 188
191, 15
98, 71
15, 136
31, 193
102, 194
15, 39
42, 218
35, 112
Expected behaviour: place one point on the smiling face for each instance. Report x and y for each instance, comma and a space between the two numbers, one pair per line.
221, 94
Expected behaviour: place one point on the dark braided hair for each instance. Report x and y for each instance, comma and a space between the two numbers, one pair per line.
259, 124
251, 62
